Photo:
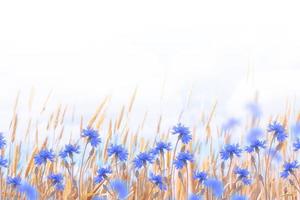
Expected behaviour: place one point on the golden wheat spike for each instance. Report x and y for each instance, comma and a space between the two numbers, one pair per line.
61, 133
109, 135
56, 118
46, 102
16, 159
81, 124
119, 120
63, 115
30, 164
16, 103
100, 121
125, 136
98, 110
14, 127
28, 128
132, 100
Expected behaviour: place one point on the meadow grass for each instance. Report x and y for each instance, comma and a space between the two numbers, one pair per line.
117, 162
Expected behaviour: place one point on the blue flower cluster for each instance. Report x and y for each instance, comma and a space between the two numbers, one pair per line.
151, 160
118, 151
2, 141
256, 145
57, 181
14, 181
182, 159
200, 176
43, 156
92, 136
102, 173
278, 130
243, 175
289, 168
69, 151
183, 133
162, 147
230, 150
297, 144
142, 159
158, 180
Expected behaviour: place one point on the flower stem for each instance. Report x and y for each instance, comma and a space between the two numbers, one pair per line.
187, 181
172, 169
267, 167
80, 173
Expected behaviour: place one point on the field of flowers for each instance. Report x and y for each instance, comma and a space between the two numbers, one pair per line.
180, 163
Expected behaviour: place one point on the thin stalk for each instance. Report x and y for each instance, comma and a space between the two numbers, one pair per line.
0, 183
149, 197
145, 175
267, 167
258, 161
172, 169
112, 194
72, 172
229, 168
163, 163
297, 180
187, 181
81, 168
116, 163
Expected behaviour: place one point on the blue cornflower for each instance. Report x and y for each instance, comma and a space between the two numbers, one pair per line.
118, 151
142, 158
2, 141
288, 168
158, 181
183, 132
92, 136
3, 162
254, 134
296, 144
43, 156
238, 197
161, 147
200, 176
24, 188
296, 129
255, 145
102, 174
216, 186
14, 181
182, 158
69, 151
230, 124
243, 175
274, 153
254, 109
230, 150
28, 190
120, 189
194, 197
279, 131
57, 181
99, 198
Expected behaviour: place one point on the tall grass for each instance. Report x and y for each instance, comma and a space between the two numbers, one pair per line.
178, 163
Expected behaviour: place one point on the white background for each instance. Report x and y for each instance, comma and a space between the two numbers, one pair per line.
83, 50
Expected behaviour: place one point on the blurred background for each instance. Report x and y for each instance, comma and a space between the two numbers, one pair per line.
182, 57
